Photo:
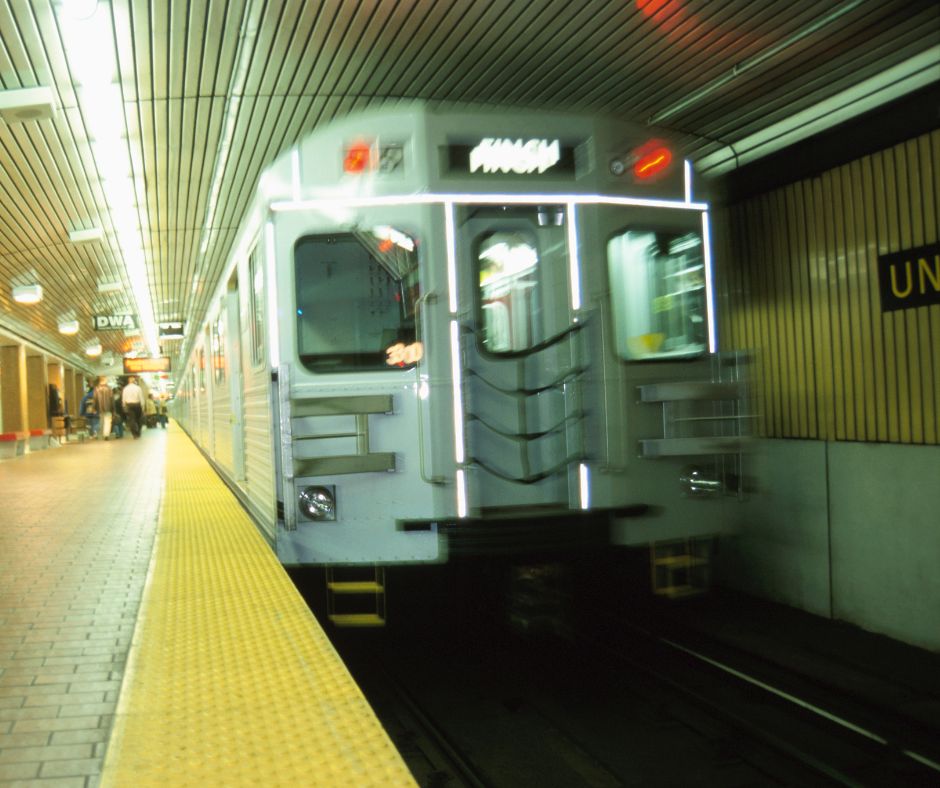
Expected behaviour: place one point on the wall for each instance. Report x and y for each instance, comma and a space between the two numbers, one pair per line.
845, 521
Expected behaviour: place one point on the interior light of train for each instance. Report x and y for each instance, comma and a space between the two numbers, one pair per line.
506, 155
574, 259
281, 206
459, 451
709, 293
450, 236
461, 480
358, 158
584, 486
687, 179
401, 355
652, 159
512, 260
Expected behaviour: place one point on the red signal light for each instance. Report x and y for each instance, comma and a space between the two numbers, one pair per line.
652, 159
358, 157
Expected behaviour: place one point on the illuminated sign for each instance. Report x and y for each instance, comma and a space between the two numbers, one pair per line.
134, 366
401, 355
522, 158
495, 157
910, 278
114, 323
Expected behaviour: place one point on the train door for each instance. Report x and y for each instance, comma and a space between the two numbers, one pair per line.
235, 378
521, 353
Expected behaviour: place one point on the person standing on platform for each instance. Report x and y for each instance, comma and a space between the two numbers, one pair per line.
132, 398
88, 411
104, 404
118, 422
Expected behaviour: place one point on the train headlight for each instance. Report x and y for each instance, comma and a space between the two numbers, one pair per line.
318, 503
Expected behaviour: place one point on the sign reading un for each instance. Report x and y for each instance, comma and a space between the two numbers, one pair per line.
114, 323
910, 278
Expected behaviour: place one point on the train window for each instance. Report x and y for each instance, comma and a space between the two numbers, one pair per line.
218, 347
356, 295
256, 307
521, 261
657, 286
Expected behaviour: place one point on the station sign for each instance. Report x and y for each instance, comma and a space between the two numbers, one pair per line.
910, 278
136, 366
114, 323
173, 329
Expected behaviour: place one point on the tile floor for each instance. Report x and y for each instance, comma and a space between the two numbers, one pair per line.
77, 525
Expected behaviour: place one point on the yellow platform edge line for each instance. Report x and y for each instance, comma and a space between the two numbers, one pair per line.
230, 680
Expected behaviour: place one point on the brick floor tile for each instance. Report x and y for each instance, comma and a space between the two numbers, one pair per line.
18, 771
57, 723
84, 736
50, 752
71, 768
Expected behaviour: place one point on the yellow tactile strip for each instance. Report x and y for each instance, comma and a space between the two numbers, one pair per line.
231, 681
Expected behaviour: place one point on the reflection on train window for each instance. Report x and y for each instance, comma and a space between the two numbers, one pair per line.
521, 259
256, 306
356, 296
657, 286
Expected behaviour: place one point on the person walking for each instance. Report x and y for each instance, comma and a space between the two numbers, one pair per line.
118, 423
104, 404
88, 411
132, 398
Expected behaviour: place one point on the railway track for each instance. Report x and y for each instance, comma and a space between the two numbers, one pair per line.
626, 705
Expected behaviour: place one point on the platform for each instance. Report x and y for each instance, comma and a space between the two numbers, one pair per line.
148, 636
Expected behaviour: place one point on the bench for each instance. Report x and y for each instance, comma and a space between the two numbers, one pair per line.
13, 444
39, 439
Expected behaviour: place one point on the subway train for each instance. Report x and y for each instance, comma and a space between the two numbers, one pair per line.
449, 330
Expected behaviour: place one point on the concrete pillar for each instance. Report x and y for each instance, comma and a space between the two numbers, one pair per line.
55, 375
37, 393
13, 388
68, 391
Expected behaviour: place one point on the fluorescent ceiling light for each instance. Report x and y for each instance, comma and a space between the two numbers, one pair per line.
79, 9
109, 287
68, 327
23, 104
85, 236
27, 294
897, 81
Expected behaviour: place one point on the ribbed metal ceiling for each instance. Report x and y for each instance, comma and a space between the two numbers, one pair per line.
213, 90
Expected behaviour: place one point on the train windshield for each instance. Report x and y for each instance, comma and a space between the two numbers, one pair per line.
520, 257
657, 286
356, 296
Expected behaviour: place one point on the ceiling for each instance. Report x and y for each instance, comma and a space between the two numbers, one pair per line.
210, 91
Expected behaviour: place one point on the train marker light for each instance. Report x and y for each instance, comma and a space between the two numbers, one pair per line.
358, 158
318, 503
652, 159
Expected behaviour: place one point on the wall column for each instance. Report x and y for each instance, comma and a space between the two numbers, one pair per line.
68, 391
13, 388
36, 393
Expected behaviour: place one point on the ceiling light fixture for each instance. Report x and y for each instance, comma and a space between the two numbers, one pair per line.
25, 104
68, 327
27, 294
93, 350
86, 236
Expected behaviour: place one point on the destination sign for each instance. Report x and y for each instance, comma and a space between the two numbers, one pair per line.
496, 156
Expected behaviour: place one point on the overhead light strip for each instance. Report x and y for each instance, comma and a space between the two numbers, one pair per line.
90, 49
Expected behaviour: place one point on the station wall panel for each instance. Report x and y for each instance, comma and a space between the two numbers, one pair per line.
798, 277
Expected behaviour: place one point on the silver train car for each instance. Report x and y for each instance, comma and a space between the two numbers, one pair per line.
453, 327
